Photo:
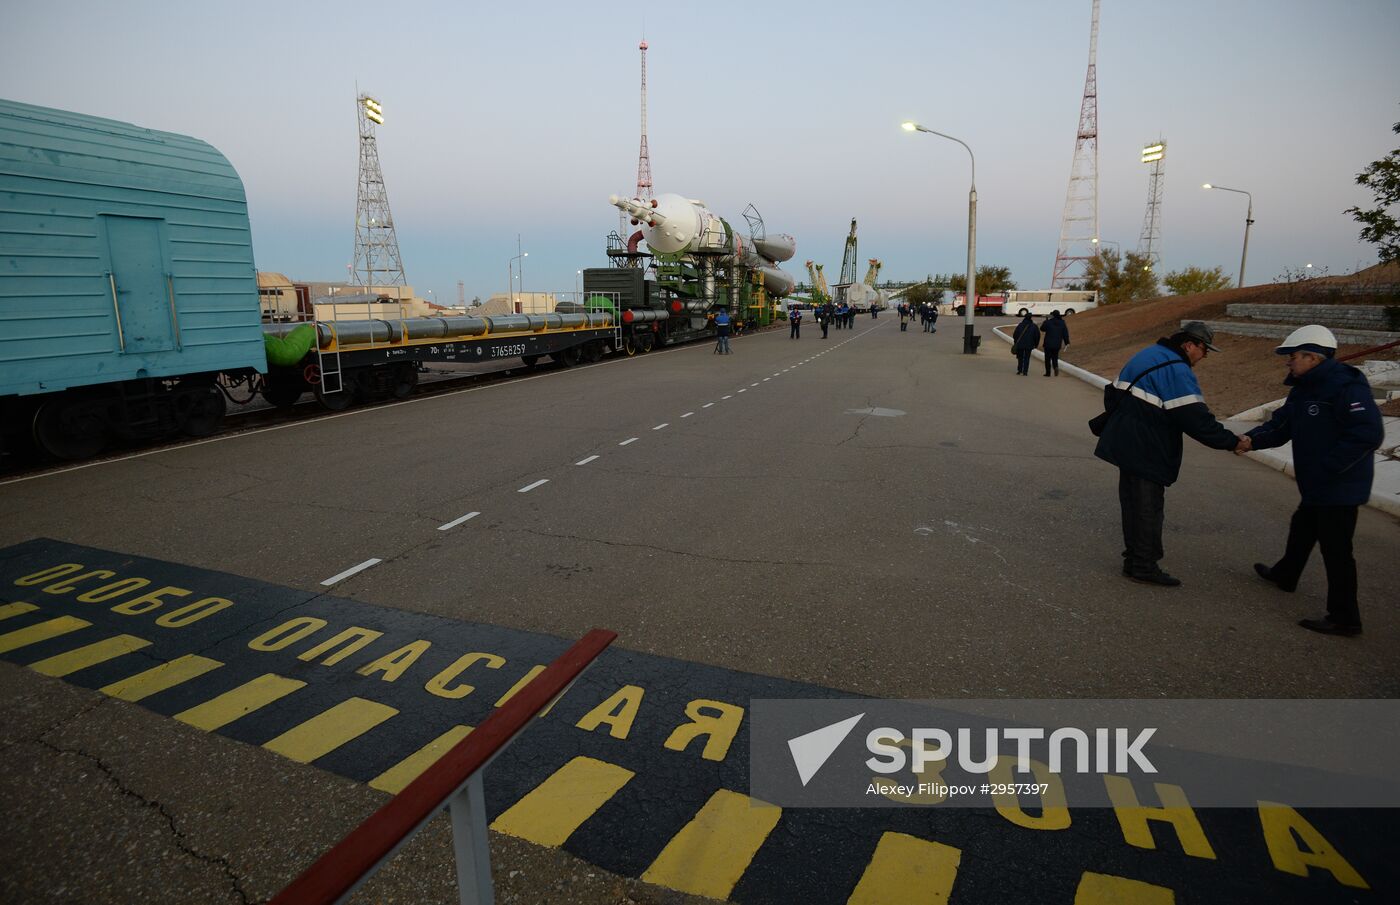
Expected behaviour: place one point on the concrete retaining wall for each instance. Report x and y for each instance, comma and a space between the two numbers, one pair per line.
1346, 317
1280, 331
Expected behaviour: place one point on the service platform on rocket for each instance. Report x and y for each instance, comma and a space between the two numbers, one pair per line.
673, 224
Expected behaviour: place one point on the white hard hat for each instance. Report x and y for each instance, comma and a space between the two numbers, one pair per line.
1312, 338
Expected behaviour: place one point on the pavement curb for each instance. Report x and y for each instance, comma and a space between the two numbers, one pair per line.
1385, 499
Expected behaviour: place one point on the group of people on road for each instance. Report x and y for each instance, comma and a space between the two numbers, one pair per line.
1329, 416
927, 314
1027, 337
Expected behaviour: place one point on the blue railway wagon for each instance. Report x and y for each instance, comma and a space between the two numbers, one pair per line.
127, 283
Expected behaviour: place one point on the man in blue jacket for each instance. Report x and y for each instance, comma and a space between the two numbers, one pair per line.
1335, 427
1143, 438
1056, 333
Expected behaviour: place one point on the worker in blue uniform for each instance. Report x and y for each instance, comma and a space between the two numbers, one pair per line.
1143, 438
1335, 427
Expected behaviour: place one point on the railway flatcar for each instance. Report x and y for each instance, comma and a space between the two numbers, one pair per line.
129, 303
127, 284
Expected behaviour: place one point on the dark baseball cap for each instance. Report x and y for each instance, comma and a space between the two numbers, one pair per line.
1199, 331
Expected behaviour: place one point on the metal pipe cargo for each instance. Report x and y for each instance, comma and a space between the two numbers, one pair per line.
643, 316
444, 328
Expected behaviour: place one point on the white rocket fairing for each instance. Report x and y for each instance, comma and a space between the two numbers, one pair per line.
672, 224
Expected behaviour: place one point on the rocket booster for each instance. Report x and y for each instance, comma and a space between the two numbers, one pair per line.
673, 224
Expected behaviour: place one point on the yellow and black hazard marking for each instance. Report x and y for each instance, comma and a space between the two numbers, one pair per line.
642, 767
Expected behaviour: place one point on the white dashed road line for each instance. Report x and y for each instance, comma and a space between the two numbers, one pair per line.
687, 414
586, 461
661, 425
628, 440
457, 521
529, 487
351, 571
707, 405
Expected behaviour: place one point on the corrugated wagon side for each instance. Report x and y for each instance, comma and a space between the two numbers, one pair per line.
127, 283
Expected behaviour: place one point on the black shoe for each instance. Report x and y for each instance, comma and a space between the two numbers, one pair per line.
1158, 578
1267, 574
1326, 626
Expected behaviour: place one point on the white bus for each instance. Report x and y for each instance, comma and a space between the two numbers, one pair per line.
1040, 302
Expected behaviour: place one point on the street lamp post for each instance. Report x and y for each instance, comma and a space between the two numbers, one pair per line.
577, 276
1248, 222
970, 338
511, 278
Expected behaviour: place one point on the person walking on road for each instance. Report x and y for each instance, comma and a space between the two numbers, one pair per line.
1024, 340
824, 319
795, 319
722, 328
1335, 426
933, 318
903, 318
1056, 335
1143, 438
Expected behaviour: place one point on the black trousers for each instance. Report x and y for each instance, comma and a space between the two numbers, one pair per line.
1332, 528
1023, 361
796, 330
1052, 359
1144, 507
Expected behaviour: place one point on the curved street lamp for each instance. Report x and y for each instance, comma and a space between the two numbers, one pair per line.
1248, 221
970, 309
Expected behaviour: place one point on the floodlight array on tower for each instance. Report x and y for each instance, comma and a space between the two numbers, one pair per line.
377, 261
1150, 242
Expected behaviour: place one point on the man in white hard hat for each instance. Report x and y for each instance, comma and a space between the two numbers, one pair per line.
1336, 428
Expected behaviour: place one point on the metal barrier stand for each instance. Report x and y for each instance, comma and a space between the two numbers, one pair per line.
455, 782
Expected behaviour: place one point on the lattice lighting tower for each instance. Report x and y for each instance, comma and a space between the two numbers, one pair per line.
377, 261
1150, 242
1079, 227
644, 156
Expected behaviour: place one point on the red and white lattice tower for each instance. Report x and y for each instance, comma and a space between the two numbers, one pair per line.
643, 157
1079, 228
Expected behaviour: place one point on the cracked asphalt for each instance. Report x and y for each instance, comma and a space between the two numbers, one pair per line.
965, 548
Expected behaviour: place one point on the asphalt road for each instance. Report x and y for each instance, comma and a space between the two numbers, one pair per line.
966, 546
873, 513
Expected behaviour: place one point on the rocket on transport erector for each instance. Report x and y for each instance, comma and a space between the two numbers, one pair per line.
672, 224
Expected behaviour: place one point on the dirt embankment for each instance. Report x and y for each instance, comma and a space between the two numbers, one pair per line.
1245, 373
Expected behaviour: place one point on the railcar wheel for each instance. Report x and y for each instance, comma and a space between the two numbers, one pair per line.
283, 392
69, 429
340, 401
531, 361
593, 351
647, 342
405, 380
629, 346
206, 412
567, 358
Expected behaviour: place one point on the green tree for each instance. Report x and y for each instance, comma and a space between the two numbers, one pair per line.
1120, 279
1194, 279
990, 279
1380, 226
